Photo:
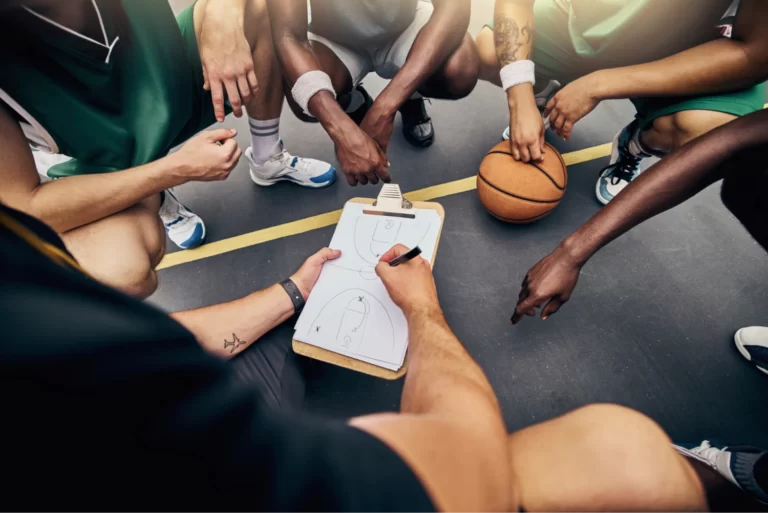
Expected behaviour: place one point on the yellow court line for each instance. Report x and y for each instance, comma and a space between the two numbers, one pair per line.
330, 218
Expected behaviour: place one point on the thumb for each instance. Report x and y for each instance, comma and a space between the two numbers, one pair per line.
551, 308
326, 254
221, 134
393, 253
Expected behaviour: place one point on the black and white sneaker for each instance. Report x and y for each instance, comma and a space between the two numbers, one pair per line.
417, 125
735, 463
752, 343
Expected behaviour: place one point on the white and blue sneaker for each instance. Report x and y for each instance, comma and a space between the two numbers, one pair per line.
736, 463
284, 167
752, 343
626, 159
542, 99
184, 228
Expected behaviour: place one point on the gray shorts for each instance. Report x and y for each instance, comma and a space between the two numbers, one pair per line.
385, 60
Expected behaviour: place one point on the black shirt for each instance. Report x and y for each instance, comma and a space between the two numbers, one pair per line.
109, 404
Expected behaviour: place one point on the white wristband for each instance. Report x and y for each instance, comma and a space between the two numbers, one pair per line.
308, 85
518, 72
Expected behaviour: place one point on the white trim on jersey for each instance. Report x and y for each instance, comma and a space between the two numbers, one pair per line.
106, 44
37, 136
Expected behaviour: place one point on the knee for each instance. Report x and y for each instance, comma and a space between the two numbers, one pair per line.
462, 71
139, 281
488, 59
137, 276
673, 131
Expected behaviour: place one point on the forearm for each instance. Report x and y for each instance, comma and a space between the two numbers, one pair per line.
229, 328
72, 202
513, 28
442, 378
716, 66
436, 42
731, 148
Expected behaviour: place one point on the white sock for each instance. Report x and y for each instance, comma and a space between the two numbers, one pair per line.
356, 100
265, 138
636, 147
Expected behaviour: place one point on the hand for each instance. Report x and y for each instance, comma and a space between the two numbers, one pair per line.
410, 285
570, 105
550, 281
226, 58
526, 125
306, 277
361, 159
379, 126
207, 157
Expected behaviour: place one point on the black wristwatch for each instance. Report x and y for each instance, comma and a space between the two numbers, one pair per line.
295, 294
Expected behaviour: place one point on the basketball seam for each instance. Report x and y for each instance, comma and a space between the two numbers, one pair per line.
565, 174
480, 175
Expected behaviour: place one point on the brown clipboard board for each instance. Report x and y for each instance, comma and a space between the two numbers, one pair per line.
340, 360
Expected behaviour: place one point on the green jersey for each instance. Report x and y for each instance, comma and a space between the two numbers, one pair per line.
116, 98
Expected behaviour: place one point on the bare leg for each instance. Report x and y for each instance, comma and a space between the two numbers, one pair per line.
123, 249
602, 458
670, 132
457, 77
489, 60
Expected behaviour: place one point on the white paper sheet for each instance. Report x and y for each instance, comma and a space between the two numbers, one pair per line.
349, 311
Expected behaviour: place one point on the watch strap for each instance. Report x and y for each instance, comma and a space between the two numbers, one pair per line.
295, 294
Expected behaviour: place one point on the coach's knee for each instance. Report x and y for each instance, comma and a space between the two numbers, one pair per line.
136, 275
670, 132
462, 70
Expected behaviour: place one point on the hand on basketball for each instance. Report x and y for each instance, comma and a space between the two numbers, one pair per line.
207, 157
570, 105
361, 158
227, 60
549, 283
306, 277
410, 285
379, 126
526, 130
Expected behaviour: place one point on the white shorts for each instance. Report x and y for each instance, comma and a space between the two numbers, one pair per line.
385, 60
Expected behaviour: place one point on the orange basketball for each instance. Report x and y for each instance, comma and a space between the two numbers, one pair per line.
520, 192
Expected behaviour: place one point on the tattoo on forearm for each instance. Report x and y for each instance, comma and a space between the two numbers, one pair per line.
233, 344
509, 39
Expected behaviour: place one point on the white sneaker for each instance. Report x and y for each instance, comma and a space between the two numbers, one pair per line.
752, 343
285, 167
542, 99
184, 228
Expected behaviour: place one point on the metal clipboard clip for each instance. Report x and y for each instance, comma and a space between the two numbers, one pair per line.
390, 202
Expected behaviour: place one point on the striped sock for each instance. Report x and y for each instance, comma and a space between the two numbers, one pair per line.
265, 138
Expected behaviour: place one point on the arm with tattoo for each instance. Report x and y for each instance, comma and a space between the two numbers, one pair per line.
513, 22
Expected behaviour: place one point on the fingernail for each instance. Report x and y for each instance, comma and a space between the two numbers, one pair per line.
545, 318
233, 130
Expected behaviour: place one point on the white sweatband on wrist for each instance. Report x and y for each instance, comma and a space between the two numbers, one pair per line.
516, 73
308, 85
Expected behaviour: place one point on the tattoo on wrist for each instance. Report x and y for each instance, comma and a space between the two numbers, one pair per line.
233, 344
509, 38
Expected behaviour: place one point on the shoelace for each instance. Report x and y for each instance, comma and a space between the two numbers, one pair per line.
626, 168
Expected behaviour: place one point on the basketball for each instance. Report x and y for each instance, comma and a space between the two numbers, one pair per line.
520, 192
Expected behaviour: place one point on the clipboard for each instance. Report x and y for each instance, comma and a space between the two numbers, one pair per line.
390, 202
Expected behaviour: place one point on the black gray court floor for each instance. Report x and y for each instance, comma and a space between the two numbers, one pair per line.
650, 324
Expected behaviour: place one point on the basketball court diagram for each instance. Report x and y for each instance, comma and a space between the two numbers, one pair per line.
354, 321
374, 236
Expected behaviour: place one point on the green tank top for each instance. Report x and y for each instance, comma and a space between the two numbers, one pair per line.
109, 103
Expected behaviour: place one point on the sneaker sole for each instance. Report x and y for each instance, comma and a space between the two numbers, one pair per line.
614, 158
268, 183
744, 352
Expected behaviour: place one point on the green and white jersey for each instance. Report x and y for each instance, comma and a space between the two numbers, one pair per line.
119, 99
